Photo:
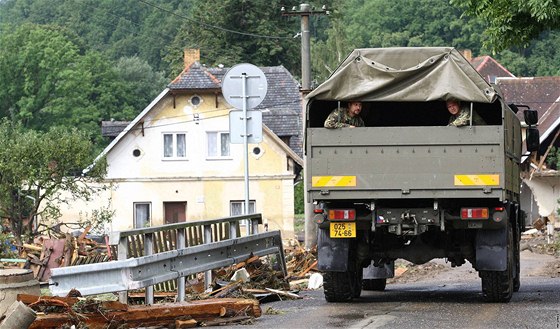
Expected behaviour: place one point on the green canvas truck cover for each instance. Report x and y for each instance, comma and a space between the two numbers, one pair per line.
406, 148
405, 74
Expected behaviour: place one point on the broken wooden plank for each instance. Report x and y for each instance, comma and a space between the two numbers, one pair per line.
157, 314
181, 324
108, 305
308, 269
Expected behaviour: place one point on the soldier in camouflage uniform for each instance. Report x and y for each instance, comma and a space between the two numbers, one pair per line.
346, 117
461, 115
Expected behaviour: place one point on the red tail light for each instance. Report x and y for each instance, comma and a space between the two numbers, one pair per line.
342, 214
474, 213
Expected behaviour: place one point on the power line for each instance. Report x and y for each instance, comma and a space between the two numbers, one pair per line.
215, 27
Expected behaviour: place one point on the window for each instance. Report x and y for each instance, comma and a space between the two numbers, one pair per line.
218, 144
236, 207
142, 214
174, 146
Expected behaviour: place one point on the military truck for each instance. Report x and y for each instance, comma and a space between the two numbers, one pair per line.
407, 185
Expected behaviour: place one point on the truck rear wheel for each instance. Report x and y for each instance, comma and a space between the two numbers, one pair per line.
498, 286
342, 286
374, 284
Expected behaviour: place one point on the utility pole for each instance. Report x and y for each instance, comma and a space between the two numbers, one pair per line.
305, 10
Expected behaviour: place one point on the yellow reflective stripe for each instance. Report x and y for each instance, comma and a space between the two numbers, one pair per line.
477, 180
333, 181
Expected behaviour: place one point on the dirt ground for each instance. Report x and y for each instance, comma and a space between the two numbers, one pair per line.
534, 246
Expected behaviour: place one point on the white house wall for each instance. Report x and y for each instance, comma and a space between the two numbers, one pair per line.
206, 185
547, 193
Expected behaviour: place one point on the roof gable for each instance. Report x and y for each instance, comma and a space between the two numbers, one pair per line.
193, 77
490, 69
281, 106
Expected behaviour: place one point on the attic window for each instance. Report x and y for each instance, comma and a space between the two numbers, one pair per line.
195, 100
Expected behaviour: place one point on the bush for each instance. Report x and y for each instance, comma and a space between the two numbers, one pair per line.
298, 198
7, 247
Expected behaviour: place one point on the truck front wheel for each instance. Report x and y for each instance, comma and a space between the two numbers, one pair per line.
498, 286
342, 286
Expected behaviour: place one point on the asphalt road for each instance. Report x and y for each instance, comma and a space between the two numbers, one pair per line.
449, 299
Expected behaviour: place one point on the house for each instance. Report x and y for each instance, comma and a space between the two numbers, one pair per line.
541, 185
540, 191
174, 162
489, 68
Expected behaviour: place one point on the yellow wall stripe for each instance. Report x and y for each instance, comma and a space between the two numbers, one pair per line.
333, 181
477, 180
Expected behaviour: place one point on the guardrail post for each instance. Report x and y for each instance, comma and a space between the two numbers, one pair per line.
207, 239
149, 250
122, 254
233, 229
181, 244
254, 222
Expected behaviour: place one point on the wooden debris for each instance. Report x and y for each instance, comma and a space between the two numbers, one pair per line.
70, 301
285, 293
180, 324
201, 311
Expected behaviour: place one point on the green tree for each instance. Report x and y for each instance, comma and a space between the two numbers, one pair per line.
46, 80
403, 23
513, 22
235, 31
36, 167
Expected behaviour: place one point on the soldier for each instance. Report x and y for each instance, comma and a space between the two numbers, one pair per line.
461, 115
346, 117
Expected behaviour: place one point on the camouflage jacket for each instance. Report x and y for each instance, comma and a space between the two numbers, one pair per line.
339, 118
463, 118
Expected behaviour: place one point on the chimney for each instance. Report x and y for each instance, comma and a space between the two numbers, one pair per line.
191, 56
467, 53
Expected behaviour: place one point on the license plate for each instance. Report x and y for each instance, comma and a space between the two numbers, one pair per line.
474, 225
343, 230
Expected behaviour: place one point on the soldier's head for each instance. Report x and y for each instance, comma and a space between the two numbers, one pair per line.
354, 108
453, 106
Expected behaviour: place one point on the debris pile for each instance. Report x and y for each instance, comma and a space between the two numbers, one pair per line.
234, 295
46, 253
64, 312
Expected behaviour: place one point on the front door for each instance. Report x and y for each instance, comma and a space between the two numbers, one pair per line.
175, 212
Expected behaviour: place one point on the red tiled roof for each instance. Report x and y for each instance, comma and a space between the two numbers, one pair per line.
489, 68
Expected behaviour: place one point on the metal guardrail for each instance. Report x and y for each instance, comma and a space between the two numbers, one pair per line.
153, 268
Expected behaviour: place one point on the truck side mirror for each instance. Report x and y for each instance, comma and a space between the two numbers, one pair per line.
532, 139
531, 117
514, 108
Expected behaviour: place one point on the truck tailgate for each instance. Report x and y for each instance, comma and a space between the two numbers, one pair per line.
418, 162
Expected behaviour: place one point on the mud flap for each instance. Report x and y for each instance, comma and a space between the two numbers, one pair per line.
491, 250
384, 272
332, 254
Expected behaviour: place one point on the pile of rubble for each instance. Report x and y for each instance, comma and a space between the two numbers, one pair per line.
234, 296
46, 253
